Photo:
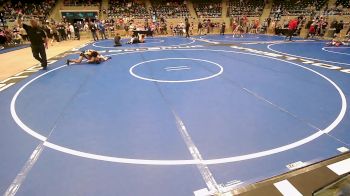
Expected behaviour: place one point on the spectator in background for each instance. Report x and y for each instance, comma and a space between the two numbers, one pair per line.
101, 29
292, 27
208, 25
71, 31
55, 35
312, 30
126, 28
223, 27
2, 18
200, 28
93, 29
117, 39
268, 21
2, 37
86, 26
62, 31
187, 27
23, 34
265, 25
47, 29
76, 31
172, 28
338, 28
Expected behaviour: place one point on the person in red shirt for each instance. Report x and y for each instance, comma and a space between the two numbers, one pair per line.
292, 27
312, 30
234, 25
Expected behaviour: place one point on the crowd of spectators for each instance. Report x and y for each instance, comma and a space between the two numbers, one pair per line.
57, 31
9, 37
82, 2
309, 8
127, 8
252, 8
207, 8
159, 27
122, 12
169, 9
246, 25
282, 27
341, 7
40, 9
2, 18
319, 25
296, 8
344, 3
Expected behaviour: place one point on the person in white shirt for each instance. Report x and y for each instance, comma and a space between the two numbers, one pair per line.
71, 29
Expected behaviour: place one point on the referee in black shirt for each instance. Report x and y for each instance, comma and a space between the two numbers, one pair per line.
38, 40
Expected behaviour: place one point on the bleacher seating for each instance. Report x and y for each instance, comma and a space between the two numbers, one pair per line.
40, 9
82, 2
297, 7
251, 8
344, 3
207, 8
341, 7
127, 8
169, 9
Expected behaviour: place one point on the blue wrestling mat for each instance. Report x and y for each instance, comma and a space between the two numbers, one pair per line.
173, 115
12, 48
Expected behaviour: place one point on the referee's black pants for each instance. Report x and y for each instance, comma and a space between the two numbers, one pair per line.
187, 32
290, 34
39, 54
